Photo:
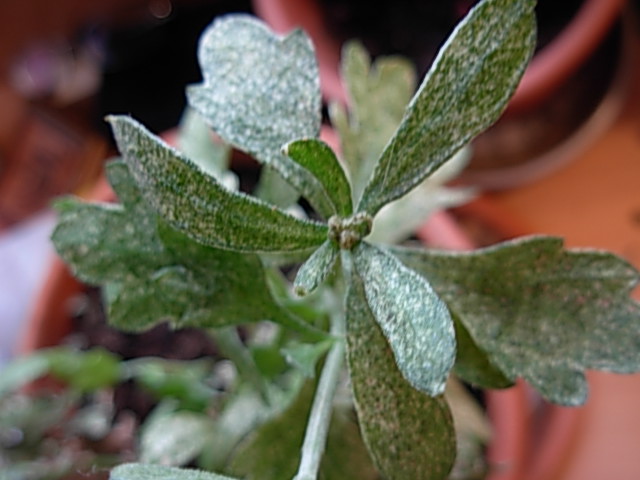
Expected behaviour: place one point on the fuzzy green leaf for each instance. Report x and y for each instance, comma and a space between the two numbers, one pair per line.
415, 322
195, 203
541, 312
378, 96
466, 90
318, 158
408, 433
139, 471
260, 92
316, 269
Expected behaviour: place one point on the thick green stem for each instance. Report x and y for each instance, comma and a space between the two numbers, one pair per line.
320, 417
232, 347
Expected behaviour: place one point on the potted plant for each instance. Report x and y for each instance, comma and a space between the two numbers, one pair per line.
184, 246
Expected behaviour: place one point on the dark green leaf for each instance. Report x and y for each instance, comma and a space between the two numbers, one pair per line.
195, 203
273, 451
139, 471
318, 158
541, 312
415, 322
465, 91
108, 242
408, 433
260, 92
378, 96
472, 363
316, 269
205, 287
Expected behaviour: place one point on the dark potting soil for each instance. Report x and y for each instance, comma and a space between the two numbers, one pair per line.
90, 329
417, 28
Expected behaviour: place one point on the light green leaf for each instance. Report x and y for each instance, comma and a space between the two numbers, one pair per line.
195, 140
242, 413
139, 471
318, 158
85, 371
415, 322
195, 203
466, 90
409, 434
316, 269
174, 438
541, 312
305, 356
378, 96
260, 92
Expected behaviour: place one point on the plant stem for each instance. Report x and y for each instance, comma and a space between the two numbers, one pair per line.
232, 347
320, 417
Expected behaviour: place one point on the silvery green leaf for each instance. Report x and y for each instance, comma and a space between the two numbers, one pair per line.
195, 140
108, 242
140, 471
195, 203
409, 434
261, 91
378, 95
316, 269
274, 189
415, 322
318, 158
541, 312
175, 438
466, 90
